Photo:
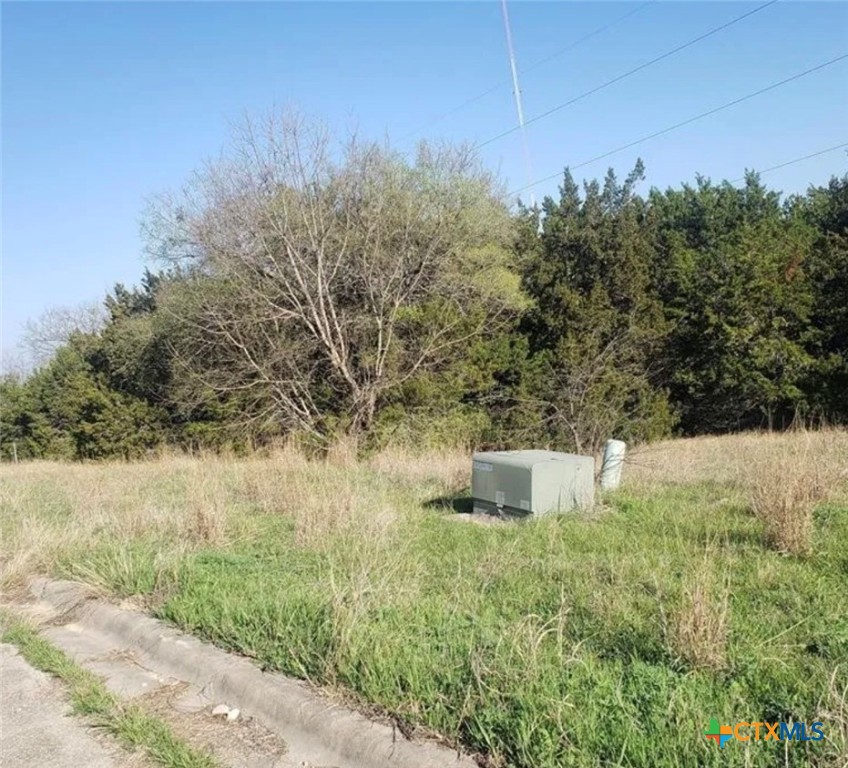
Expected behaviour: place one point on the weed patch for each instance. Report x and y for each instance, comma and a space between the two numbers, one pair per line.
131, 725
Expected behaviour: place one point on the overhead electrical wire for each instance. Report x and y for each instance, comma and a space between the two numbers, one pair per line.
796, 160
557, 54
688, 121
525, 70
629, 73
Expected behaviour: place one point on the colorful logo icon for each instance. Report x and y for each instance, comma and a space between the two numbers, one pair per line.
720, 734
757, 731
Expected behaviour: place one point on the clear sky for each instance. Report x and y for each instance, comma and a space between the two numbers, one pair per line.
106, 104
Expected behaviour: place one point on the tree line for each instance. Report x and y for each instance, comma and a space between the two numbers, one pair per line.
306, 288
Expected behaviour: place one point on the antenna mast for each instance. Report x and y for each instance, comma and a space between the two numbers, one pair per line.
517, 91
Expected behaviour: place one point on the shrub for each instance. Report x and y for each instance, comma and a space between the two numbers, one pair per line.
699, 632
786, 481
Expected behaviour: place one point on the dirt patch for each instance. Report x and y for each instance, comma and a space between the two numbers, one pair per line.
240, 743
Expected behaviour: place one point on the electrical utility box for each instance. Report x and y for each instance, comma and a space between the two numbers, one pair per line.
531, 482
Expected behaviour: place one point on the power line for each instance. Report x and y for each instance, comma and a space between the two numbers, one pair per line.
796, 160
630, 72
530, 68
690, 120
557, 54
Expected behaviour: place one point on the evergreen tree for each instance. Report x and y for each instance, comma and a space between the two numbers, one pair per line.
596, 324
731, 273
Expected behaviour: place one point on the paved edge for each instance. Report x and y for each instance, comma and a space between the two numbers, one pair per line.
39, 727
279, 703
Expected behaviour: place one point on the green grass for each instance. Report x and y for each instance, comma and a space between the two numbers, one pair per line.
133, 727
548, 643
571, 641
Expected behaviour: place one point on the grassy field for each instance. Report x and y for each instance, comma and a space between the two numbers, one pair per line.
714, 584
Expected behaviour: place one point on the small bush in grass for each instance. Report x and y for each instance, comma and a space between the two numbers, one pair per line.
786, 482
699, 630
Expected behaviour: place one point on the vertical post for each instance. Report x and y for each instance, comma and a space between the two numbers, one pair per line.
612, 464
517, 91
14, 452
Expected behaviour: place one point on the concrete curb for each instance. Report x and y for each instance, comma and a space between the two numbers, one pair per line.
279, 703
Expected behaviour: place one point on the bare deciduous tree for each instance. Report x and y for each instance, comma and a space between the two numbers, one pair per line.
55, 326
13, 365
599, 387
334, 271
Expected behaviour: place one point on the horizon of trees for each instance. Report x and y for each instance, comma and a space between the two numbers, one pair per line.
308, 288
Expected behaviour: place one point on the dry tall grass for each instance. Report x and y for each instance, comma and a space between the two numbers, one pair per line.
783, 477
451, 468
723, 459
785, 485
834, 707
700, 625
48, 509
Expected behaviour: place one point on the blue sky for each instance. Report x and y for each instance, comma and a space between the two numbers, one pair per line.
106, 104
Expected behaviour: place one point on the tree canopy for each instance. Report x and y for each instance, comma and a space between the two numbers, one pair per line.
308, 287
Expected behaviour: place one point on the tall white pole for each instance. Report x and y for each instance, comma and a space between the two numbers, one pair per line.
517, 91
